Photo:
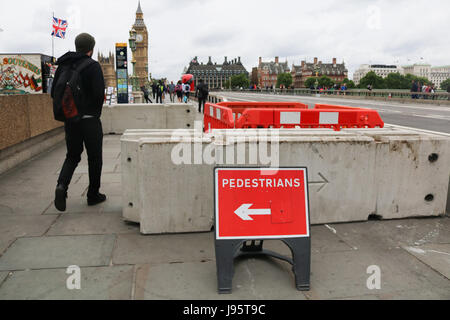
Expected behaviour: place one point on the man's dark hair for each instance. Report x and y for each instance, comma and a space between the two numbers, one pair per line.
84, 43
201, 80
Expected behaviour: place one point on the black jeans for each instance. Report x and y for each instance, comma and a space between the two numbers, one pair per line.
159, 98
90, 132
201, 104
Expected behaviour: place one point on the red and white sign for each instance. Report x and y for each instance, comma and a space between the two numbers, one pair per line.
261, 203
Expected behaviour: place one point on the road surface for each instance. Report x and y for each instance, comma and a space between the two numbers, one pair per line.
421, 116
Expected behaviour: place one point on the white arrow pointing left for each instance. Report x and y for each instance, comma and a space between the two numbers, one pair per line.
244, 212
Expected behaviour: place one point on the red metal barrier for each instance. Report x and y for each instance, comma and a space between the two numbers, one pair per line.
288, 115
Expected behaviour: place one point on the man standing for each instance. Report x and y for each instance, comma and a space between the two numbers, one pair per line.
88, 130
159, 92
171, 89
201, 94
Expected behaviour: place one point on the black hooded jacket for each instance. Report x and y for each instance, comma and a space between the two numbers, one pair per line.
93, 83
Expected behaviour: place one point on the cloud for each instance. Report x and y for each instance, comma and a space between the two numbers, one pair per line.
357, 31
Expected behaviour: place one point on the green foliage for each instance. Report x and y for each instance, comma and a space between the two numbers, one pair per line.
445, 85
310, 82
371, 78
350, 84
396, 81
325, 81
240, 80
284, 79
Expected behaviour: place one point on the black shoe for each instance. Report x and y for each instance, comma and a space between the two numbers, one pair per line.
60, 197
99, 198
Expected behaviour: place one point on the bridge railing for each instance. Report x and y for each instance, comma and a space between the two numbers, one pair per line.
386, 94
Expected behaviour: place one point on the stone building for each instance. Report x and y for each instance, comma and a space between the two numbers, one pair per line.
335, 71
213, 74
268, 72
379, 69
140, 55
108, 67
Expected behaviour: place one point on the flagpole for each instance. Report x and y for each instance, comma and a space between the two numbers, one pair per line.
53, 38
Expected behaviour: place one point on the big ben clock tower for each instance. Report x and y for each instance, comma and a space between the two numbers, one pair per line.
140, 54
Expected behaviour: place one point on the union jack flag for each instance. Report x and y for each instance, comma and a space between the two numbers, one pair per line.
59, 28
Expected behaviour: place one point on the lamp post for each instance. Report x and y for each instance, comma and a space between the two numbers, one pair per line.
132, 42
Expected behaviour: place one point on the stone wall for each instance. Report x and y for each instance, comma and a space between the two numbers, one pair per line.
24, 117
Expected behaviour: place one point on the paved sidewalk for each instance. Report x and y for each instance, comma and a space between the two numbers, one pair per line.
37, 244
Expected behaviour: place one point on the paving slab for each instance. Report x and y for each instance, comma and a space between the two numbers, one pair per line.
84, 168
163, 249
25, 205
254, 279
12, 227
113, 283
92, 223
339, 275
394, 233
110, 189
58, 252
437, 256
78, 204
106, 178
3, 276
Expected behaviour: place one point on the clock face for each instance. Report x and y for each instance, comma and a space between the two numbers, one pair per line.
139, 38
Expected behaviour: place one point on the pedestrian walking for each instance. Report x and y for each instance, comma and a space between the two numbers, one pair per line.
179, 91
202, 94
86, 128
186, 92
171, 89
146, 93
154, 88
159, 92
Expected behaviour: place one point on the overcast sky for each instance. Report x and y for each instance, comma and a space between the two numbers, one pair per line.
354, 31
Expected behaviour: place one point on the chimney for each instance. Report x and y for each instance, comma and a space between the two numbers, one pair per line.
276, 60
226, 60
315, 60
260, 60
303, 63
209, 60
334, 61
239, 60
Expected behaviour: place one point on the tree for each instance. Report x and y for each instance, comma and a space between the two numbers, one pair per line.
284, 79
325, 81
445, 84
350, 84
371, 78
310, 82
396, 81
240, 81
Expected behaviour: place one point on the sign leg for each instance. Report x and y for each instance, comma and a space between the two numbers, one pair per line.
225, 254
301, 256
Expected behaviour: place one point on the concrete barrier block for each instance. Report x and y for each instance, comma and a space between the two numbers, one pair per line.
119, 118
181, 115
130, 175
412, 176
340, 173
175, 198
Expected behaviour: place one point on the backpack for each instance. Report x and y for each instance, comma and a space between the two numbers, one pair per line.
68, 98
203, 90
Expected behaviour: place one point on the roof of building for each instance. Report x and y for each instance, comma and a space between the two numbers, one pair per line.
275, 68
326, 68
234, 65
